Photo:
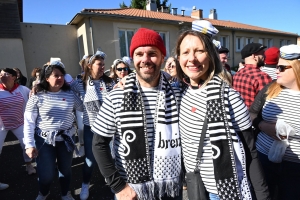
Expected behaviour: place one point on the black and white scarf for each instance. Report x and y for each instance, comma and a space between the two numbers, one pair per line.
227, 148
164, 176
94, 96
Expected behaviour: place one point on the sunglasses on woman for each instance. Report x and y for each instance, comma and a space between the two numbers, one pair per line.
5, 74
121, 69
282, 68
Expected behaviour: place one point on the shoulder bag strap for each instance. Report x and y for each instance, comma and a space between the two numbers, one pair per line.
200, 149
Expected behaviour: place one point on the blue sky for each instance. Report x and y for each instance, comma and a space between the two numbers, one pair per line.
273, 14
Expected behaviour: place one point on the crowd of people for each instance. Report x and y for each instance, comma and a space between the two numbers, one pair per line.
195, 124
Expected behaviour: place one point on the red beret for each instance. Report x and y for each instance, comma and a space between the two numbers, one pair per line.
272, 56
147, 37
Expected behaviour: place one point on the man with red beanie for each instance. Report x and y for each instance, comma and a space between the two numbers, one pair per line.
271, 60
142, 121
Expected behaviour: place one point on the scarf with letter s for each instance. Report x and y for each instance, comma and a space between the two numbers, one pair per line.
160, 176
227, 148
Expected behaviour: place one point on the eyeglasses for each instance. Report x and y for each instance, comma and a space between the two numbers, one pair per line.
5, 74
121, 69
282, 68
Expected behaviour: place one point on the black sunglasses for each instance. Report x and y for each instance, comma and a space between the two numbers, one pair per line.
282, 68
121, 69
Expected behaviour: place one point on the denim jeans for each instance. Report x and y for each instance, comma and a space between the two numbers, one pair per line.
283, 177
48, 155
213, 196
89, 161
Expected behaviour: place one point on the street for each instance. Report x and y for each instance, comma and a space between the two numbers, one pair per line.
25, 187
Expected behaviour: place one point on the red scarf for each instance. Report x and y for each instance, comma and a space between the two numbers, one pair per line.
16, 85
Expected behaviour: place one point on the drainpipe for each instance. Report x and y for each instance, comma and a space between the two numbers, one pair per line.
78, 44
91, 31
233, 42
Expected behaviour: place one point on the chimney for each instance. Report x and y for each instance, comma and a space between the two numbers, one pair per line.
151, 5
213, 14
182, 12
164, 9
197, 14
174, 11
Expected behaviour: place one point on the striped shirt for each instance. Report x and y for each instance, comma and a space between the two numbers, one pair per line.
191, 119
49, 111
285, 106
79, 88
108, 123
271, 71
12, 106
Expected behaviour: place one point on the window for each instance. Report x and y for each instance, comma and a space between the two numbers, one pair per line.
288, 42
80, 46
125, 37
165, 37
261, 41
249, 40
224, 41
239, 43
270, 43
282, 43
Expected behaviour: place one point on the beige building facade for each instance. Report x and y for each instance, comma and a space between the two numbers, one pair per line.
111, 30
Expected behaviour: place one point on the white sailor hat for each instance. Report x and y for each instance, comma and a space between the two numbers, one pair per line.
290, 52
98, 53
204, 27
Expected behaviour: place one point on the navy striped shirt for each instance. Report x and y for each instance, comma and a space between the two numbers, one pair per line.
285, 106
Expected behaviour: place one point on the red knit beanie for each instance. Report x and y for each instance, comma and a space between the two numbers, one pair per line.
272, 56
147, 37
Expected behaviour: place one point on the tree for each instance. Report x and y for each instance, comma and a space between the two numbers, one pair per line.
141, 4
123, 5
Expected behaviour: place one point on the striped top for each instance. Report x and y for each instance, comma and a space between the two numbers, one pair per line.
285, 106
191, 119
108, 123
12, 106
271, 71
79, 88
49, 111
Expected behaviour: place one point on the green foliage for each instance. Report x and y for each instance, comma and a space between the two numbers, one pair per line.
139, 4
123, 5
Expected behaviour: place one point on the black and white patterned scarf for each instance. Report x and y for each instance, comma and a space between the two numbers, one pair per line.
227, 148
164, 176
94, 97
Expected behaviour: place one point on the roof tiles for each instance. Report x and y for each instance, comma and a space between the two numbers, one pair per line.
139, 13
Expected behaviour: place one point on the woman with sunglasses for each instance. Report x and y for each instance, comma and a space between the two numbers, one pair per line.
13, 99
120, 69
280, 100
92, 89
170, 68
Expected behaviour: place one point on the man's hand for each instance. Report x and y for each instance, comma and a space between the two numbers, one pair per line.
32, 152
126, 194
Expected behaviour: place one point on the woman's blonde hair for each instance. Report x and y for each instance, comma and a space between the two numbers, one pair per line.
215, 65
275, 88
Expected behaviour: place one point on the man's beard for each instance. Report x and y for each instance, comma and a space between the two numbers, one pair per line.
149, 78
260, 63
